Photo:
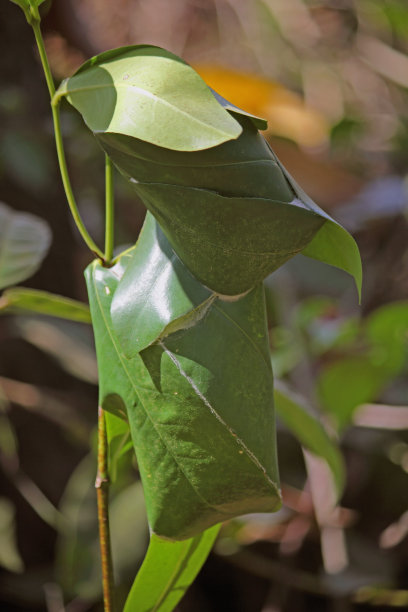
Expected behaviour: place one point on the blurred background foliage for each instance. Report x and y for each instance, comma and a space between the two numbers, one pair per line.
331, 77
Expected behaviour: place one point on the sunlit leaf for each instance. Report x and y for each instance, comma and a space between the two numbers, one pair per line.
151, 94
34, 301
231, 212
24, 242
167, 571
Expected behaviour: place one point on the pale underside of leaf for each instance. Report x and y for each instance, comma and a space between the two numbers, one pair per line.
149, 93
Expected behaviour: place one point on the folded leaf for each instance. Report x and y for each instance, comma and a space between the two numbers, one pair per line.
228, 208
242, 168
200, 407
156, 290
167, 571
230, 244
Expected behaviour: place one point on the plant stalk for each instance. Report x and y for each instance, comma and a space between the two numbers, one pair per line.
102, 491
59, 143
109, 210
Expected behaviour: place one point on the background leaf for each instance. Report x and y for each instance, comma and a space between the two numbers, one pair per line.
9, 554
31, 300
167, 571
309, 432
24, 242
78, 553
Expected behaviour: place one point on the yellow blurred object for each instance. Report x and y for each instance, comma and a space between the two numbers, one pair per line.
286, 113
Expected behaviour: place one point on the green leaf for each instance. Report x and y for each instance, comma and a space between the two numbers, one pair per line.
243, 167
386, 355
149, 93
24, 242
232, 213
230, 244
332, 244
345, 384
386, 329
167, 571
200, 407
153, 298
9, 554
30, 8
24, 4
310, 433
26, 159
78, 565
31, 300
228, 208
119, 441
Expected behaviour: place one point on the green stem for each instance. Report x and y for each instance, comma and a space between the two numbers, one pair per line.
102, 492
59, 143
109, 210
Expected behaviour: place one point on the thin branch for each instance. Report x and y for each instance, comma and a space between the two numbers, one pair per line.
59, 143
102, 491
109, 210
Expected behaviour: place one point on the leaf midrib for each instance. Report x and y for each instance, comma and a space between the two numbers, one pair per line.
173, 578
157, 99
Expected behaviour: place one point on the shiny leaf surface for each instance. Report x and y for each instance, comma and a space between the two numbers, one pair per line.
155, 291
200, 407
